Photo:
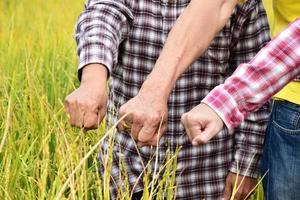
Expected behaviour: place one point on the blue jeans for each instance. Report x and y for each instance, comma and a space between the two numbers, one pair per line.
281, 154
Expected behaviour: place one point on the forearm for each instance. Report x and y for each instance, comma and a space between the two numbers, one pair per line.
95, 74
189, 38
254, 83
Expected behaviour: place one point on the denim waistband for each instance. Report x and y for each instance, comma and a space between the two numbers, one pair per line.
287, 103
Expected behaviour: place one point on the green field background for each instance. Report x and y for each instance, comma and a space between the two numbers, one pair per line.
38, 149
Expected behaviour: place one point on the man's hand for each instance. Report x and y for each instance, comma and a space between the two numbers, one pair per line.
86, 106
201, 124
146, 118
243, 190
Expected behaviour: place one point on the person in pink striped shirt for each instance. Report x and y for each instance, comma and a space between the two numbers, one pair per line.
248, 88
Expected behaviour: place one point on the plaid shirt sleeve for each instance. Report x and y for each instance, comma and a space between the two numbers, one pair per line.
252, 84
99, 31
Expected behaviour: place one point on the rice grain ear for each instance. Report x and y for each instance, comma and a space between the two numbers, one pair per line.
83, 160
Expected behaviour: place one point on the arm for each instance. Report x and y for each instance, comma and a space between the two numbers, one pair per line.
252, 84
249, 87
249, 136
187, 40
99, 31
251, 33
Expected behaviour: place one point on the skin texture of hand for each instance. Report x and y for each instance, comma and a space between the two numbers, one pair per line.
146, 118
201, 124
246, 187
86, 106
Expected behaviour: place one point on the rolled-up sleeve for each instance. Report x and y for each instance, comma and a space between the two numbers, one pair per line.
100, 29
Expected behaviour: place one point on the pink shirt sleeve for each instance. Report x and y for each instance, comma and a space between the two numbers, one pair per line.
252, 84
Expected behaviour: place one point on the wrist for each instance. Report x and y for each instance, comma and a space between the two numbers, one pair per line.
94, 74
156, 89
162, 79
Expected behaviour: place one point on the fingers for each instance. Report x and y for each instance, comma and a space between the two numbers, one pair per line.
75, 113
135, 129
130, 123
143, 122
192, 126
126, 123
71, 115
150, 135
201, 124
204, 136
123, 126
84, 114
90, 121
151, 142
147, 132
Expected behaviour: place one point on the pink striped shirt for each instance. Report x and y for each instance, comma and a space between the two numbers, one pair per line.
252, 84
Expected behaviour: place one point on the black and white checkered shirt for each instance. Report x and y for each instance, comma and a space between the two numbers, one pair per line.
127, 36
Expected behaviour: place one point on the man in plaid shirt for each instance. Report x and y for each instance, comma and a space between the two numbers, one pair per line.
126, 38
249, 87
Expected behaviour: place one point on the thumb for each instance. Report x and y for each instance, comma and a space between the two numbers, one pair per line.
208, 132
227, 190
146, 133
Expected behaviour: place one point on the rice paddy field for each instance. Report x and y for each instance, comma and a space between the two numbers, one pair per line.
41, 156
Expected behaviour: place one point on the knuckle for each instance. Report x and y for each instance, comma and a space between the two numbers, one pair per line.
81, 103
90, 103
122, 110
68, 101
189, 117
156, 116
184, 118
153, 119
137, 120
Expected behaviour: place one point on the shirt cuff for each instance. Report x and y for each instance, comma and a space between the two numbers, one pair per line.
225, 106
246, 163
94, 54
